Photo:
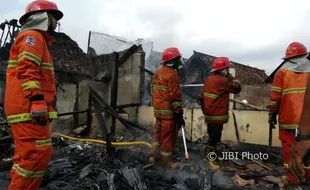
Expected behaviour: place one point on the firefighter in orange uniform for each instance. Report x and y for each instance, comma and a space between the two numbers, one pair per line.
287, 98
168, 107
215, 101
30, 95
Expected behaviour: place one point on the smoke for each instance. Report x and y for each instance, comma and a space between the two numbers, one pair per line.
152, 63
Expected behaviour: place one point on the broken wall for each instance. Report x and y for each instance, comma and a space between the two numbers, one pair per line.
131, 83
74, 97
252, 126
255, 94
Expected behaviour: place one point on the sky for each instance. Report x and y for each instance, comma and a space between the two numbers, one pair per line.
254, 33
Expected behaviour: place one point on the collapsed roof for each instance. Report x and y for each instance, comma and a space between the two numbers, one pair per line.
67, 55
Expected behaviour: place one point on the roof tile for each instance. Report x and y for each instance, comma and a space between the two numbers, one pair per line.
246, 74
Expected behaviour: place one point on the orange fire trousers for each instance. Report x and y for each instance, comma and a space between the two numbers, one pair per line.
164, 140
33, 152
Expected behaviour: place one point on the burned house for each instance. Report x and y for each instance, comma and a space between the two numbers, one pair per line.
117, 78
198, 68
75, 72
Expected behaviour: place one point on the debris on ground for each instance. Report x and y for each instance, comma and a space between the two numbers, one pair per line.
274, 180
237, 180
80, 166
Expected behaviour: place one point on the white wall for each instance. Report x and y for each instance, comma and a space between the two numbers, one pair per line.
253, 126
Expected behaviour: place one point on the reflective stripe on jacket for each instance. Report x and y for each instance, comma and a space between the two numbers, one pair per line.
215, 96
166, 92
30, 72
287, 97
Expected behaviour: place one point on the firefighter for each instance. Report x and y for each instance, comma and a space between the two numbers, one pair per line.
300, 151
287, 98
30, 95
215, 102
168, 107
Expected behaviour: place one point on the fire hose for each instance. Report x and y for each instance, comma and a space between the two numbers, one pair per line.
120, 143
104, 142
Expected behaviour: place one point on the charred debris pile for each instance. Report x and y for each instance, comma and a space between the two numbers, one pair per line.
88, 166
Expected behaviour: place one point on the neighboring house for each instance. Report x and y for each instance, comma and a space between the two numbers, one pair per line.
198, 68
269, 79
199, 65
271, 76
184, 60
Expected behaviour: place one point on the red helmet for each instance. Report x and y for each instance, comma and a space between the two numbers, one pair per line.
41, 5
169, 54
295, 49
220, 63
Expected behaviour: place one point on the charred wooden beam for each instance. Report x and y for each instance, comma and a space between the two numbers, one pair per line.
71, 113
236, 128
89, 116
103, 127
114, 90
124, 106
146, 70
88, 41
113, 112
128, 53
76, 104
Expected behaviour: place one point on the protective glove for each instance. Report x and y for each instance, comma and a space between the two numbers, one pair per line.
300, 154
272, 120
38, 110
179, 119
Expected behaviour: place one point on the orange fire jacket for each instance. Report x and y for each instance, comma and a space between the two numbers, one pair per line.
166, 93
215, 96
287, 97
30, 72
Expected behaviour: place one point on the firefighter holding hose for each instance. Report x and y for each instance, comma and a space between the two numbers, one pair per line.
168, 107
215, 102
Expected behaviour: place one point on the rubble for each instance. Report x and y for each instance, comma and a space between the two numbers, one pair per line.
275, 180
237, 180
223, 180
87, 166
